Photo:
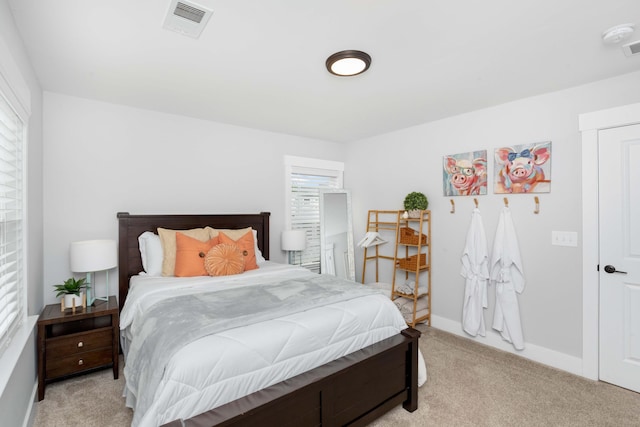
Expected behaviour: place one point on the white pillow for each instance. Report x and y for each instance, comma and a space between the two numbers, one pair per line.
151, 253
259, 257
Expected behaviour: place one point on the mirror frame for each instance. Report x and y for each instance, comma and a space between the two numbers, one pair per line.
351, 273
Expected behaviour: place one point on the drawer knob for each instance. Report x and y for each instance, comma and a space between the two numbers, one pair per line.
80, 362
80, 344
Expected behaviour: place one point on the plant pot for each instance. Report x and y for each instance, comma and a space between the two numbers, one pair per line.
70, 298
414, 213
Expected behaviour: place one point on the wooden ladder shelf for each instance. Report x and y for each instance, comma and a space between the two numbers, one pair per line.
386, 224
413, 258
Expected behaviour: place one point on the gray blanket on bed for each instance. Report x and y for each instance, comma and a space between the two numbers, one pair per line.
171, 324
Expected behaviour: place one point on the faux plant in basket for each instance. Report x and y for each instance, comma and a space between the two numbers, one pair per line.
414, 203
73, 292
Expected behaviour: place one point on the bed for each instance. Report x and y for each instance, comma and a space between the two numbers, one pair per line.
353, 389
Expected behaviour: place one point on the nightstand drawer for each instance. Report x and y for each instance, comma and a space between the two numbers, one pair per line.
79, 343
80, 362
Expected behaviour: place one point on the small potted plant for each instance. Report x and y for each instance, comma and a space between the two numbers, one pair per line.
414, 203
72, 290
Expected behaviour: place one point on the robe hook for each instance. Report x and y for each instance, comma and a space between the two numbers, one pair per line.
506, 202
476, 202
537, 209
453, 206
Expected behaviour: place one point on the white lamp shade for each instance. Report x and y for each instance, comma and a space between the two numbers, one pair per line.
294, 240
93, 255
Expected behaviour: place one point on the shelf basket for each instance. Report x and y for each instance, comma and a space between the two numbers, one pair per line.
409, 236
411, 263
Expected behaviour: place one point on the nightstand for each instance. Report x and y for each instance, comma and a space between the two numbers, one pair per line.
71, 343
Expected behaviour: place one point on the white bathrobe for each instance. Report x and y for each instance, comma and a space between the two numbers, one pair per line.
475, 268
508, 277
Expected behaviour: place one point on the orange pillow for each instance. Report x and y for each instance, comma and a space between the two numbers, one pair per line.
168, 241
223, 260
190, 255
245, 243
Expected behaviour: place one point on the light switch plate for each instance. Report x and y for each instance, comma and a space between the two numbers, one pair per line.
564, 238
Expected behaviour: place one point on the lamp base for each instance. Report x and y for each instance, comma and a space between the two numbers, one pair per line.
292, 258
91, 298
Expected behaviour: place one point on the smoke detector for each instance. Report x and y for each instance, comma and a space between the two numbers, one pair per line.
186, 18
618, 33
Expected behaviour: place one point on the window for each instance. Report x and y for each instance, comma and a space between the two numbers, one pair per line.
305, 178
12, 133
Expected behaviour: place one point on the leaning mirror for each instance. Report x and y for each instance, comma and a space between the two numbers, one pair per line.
336, 234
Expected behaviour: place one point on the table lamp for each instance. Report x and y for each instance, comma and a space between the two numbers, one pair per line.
91, 256
294, 241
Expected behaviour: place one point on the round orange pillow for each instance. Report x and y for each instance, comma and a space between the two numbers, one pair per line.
223, 260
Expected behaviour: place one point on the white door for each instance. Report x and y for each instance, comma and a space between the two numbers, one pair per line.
619, 235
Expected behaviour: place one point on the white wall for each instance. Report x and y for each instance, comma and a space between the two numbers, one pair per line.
17, 397
102, 158
411, 160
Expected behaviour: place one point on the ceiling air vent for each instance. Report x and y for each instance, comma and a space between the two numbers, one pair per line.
632, 48
186, 18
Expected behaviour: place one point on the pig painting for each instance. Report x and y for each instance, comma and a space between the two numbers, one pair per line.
465, 174
523, 169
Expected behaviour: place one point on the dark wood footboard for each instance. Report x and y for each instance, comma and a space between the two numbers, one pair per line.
353, 390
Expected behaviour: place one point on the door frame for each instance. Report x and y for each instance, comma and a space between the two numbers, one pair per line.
590, 124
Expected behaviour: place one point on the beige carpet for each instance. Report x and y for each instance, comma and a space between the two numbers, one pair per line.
469, 385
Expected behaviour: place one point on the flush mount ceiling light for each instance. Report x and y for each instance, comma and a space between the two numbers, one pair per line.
618, 33
348, 63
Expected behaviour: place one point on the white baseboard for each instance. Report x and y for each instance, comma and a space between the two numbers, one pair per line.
533, 352
30, 416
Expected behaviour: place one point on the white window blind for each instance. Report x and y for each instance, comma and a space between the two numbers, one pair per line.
306, 177
11, 222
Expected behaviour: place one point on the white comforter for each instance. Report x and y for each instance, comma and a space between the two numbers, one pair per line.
222, 367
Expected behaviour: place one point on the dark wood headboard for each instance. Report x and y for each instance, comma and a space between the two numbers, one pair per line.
131, 226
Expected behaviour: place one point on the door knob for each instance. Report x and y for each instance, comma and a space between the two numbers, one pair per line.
611, 269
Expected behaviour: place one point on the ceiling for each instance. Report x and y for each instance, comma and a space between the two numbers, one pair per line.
261, 64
